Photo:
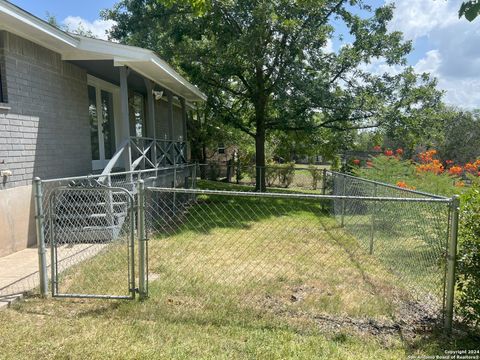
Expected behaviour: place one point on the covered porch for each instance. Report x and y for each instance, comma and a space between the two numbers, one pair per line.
138, 108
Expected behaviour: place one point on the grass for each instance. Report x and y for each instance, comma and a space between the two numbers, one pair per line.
237, 278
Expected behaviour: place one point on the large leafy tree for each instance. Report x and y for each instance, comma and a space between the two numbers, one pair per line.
470, 9
265, 66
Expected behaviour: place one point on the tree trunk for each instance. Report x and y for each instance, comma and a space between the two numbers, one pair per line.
260, 114
260, 184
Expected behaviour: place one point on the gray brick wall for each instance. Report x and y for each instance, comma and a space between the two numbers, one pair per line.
46, 132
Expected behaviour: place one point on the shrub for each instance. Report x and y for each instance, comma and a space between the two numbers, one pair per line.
336, 163
271, 175
468, 265
213, 171
286, 173
387, 169
316, 174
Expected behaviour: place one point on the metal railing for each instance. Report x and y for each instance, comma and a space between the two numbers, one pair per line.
148, 153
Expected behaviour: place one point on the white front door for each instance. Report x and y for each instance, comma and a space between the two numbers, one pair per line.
103, 104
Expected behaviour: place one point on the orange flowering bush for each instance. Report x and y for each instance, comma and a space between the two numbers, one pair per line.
471, 168
388, 152
404, 185
455, 170
429, 164
427, 156
399, 152
435, 166
356, 162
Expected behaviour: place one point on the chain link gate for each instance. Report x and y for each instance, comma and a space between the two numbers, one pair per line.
92, 242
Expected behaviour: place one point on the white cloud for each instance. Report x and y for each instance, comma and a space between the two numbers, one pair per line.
460, 91
416, 18
380, 66
430, 63
454, 54
328, 47
98, 27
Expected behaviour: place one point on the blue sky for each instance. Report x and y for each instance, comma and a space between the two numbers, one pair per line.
445, 46
86, 9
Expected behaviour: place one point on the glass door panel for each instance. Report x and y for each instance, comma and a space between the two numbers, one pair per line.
92, 112
102, 107
108, 124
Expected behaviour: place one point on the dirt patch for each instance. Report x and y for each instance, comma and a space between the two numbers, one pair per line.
410, 320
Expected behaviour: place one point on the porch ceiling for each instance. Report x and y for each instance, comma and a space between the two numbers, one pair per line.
105, 70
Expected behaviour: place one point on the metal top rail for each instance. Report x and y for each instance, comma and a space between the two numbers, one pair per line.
389, 185
94, 176
296, 196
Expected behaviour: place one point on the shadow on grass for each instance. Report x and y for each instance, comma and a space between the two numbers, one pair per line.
208, 212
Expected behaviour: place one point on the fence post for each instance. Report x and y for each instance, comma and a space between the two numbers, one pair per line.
141, 239
324, 181
324, 186
40, 227
451, 262
342, 222
372, 230
174, 208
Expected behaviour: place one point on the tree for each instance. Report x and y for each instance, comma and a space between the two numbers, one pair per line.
265, 68
460, 137
470, 9
80, 30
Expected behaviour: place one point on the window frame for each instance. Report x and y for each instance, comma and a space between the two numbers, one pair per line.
221, 149
3, 97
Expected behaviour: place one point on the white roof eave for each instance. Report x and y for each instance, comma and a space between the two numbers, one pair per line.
142, 61
74, 47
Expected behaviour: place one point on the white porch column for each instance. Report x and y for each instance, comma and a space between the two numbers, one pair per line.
151, 123
170, 123
184, 127
184, 118
125, 117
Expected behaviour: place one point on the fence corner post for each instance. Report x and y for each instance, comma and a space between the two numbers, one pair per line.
141, 240
40, 228
451, 262
344, 184
372, 229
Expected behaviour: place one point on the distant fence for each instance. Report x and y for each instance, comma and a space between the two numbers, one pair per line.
280, 176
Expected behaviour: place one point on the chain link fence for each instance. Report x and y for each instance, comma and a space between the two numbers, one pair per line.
362, 250
352, 247
89, 225
284, 176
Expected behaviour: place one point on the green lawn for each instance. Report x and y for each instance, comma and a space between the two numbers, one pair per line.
234, 278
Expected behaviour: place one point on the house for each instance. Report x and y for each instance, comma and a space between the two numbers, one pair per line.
72, 106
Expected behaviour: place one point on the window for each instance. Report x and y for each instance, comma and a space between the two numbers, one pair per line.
221, 148
137, 113
2, 98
